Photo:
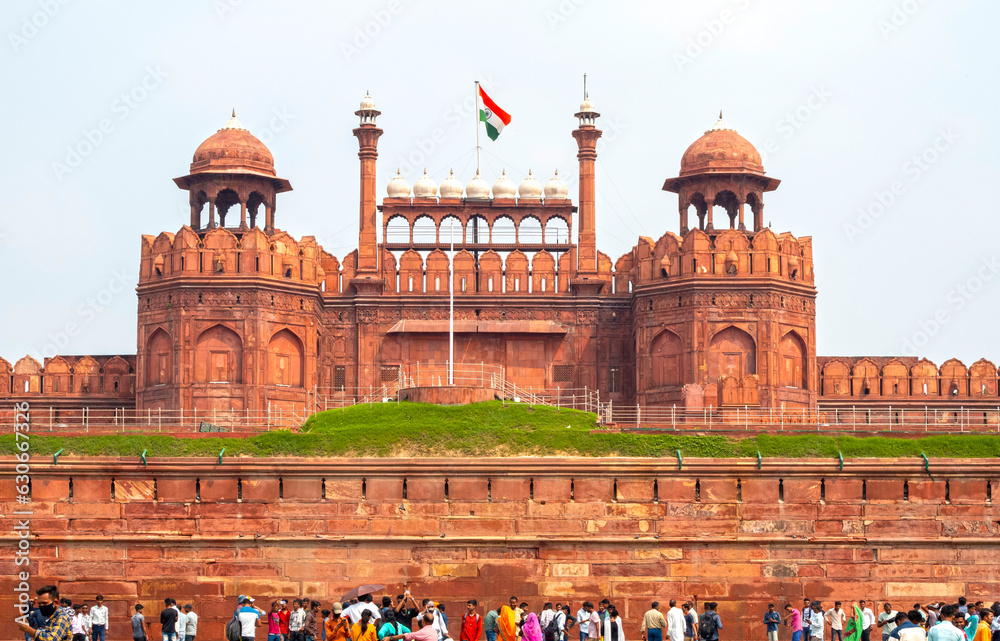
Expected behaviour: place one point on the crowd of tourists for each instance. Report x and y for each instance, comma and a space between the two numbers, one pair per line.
961, 621
51, 618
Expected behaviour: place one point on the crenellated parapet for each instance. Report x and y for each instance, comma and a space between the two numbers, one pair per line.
908, 380
223, 254
725, 257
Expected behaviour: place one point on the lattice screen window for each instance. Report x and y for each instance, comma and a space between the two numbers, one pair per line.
339, 377
562, 373
390, 373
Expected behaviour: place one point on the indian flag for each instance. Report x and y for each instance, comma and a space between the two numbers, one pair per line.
494, 117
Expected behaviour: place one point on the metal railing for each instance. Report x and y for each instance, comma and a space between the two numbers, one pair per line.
151, 421
287, 415
862, 420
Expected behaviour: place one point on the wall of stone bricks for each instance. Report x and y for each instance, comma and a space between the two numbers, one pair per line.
561, 530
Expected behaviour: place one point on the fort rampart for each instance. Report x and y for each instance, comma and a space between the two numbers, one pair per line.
633, 530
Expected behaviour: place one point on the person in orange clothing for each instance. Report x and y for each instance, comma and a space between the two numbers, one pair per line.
506, 625
983, 632
364, 630
337, 628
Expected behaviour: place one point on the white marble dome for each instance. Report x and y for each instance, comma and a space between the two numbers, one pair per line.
477, 188
529, 188
425, 187
556, 189
451, 187
503, 188
398, 187
367, 102
587, 106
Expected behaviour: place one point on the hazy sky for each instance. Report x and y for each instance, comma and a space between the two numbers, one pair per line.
879, 106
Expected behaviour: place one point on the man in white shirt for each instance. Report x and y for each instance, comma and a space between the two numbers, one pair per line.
816, 622
867, 620
836, 617
353, 612
249, 618
191, 627
296, 620
675, 622
99, 619
887, 620
181, 621
581, 623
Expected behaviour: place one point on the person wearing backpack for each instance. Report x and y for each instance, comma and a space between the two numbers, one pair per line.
249, 619
554, 626
709, 624
472, 623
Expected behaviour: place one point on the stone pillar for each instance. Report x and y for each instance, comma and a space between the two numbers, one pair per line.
709, 204
586, 139
683, 211
243, 215
211, 214
368, 135
741, 206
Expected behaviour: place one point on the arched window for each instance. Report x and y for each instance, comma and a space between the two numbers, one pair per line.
529, 230
504, 231
424, 230
556, 230
397, 230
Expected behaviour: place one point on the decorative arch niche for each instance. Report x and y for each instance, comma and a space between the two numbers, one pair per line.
666, 360
792, 352
731, 352
218, 356
159, 368
285, 359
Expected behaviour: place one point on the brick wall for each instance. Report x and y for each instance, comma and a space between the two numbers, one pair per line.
542, 529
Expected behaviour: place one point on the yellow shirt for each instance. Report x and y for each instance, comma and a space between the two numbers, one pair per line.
371, 634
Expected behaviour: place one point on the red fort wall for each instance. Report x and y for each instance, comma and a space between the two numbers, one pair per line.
544, 530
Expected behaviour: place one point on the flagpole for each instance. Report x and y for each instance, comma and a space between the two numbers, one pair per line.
451, 303
477, 127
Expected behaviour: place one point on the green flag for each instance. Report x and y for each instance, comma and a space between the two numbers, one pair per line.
854, 626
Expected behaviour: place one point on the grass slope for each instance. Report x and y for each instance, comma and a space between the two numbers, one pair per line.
494, 429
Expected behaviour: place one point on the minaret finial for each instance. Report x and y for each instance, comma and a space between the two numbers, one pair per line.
234, 112
720, 114
584, 86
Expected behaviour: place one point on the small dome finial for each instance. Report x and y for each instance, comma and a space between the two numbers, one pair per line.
234, 112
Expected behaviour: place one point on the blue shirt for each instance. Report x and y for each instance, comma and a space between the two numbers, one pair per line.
902, 626
945, 631
772, 619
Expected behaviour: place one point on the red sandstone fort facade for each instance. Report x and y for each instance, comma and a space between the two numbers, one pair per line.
235, 314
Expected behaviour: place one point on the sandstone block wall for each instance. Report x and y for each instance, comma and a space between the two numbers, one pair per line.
541, 529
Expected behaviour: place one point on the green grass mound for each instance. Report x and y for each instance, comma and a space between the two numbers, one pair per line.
496, 429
